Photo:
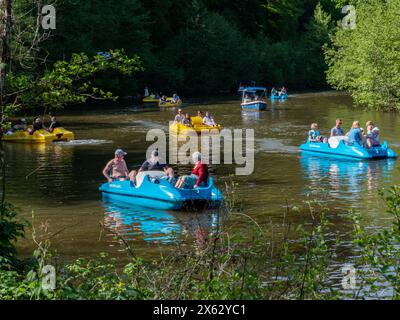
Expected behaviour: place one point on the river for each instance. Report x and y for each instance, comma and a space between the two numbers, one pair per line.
59, 183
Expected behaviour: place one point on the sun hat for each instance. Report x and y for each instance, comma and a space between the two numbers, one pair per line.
120, 152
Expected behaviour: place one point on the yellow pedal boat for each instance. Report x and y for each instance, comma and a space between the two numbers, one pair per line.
39, 136
170, 104
151, 99
197, 127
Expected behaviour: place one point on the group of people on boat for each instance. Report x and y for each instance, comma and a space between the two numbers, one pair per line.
162, 98
117, 170
37, 124
356, 134
185, 119
175, 99
278, 93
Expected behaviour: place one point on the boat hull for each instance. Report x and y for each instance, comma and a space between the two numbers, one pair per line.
198, 127
169, 104
255, 105
282, 97
348, 151
39, 136
159, 194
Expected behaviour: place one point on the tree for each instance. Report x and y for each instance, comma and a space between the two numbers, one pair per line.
366, 60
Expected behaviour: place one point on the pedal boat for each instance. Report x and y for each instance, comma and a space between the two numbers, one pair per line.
337, 147
169, 103
278, 97
153, 99
39, 136
152, 190
251, 102
197, 127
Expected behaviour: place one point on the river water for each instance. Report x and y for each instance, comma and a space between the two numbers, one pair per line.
58, 184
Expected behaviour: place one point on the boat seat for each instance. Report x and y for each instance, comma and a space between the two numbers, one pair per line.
152, 174
334, 141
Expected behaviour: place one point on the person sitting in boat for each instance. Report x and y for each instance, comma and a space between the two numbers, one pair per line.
37, 125
20, 126
283, 91
355, 134
200, 114
154, 164
118, 168
372, 136
274, 92
314, 135
337, 130
180, 117
199, 176
54, 124
209, 120
246, 98
175, 98
163, 99
146, 92
187, 121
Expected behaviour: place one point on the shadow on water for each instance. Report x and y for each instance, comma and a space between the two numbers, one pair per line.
155, 226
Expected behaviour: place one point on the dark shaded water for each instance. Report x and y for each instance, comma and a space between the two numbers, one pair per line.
59, 182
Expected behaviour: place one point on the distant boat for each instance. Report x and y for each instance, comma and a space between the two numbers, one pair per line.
253, 98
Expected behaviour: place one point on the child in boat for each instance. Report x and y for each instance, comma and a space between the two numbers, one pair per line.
199, 176
314, 135
283, 91
209, 120
163, 99
372, 137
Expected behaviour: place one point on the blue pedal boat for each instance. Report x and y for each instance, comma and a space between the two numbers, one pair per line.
153, 190
278, 97
338, 148
253, 98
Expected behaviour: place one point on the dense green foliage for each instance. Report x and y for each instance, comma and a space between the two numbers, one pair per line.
71, 82
201, 46
366, 60
224, 265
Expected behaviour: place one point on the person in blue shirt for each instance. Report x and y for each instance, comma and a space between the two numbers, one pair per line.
355, 134
337, 130
175, 98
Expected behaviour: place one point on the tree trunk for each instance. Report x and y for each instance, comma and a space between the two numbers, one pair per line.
5, 44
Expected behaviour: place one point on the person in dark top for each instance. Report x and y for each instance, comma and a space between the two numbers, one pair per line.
37, 125
153, 164
54, 124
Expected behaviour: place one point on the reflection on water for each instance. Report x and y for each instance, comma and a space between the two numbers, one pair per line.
135, 223
346, 178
